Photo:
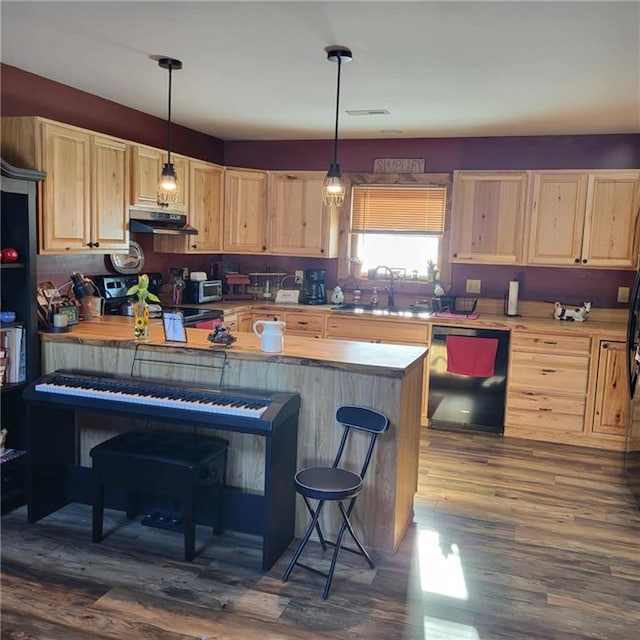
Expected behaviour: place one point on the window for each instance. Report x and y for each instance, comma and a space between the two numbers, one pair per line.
400, 226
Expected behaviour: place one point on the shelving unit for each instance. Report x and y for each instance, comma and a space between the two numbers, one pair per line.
18, 286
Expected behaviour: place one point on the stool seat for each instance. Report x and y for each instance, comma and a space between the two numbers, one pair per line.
163, 463
328, 483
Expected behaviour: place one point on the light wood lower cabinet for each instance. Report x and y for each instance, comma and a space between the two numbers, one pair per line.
547, 387
611, 407
299, 322
388, 331
238, 321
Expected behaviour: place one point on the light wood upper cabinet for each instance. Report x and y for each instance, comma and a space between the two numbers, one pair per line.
147, 168
487, 219
206, 198
84, 198
610, 228
299, 223
245, 211
584, 218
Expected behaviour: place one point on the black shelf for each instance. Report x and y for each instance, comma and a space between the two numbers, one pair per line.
18, 209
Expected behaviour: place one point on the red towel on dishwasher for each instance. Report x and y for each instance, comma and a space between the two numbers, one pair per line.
469, 356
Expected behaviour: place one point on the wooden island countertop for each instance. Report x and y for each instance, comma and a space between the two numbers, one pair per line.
326, 374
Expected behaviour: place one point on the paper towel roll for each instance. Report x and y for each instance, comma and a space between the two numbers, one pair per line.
512, 300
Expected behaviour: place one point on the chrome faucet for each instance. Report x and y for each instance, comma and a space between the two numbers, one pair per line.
390, 291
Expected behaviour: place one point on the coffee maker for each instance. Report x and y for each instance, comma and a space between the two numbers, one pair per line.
314, 286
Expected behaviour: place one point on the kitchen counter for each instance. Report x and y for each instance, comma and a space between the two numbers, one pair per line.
326, 373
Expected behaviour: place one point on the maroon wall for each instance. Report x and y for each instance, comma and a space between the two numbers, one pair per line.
23, 93
445, 154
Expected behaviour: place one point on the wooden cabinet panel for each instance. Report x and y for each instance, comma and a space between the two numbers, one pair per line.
549, 343
611, 410
84, 198
305, 324
245, 206
372, 330
487, 220
587, 219
559, 374
110, 193
299, 224
610, 233
206, 198
548, 382
66, 214
557, 218
146, 169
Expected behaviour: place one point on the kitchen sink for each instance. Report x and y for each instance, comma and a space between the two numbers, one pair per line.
408, 311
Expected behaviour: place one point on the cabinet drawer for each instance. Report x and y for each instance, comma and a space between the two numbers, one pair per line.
304, 323
549, 403
540, 342
377, 330
546, 420
558, 374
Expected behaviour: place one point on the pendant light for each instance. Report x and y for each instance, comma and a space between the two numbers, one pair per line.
168, 186
333, 187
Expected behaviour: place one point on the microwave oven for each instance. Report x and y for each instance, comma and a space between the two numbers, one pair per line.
201, 291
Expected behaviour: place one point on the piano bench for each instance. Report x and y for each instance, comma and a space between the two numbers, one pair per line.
165, 464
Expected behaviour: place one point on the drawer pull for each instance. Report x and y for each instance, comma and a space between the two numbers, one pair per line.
549, 371
544, 409
549, 342
302, 324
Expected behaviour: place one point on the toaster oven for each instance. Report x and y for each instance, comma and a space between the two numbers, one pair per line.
201, 291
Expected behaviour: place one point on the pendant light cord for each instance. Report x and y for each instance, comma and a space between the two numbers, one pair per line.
335, 137
169, 119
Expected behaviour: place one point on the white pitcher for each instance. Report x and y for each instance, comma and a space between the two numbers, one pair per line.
271, 335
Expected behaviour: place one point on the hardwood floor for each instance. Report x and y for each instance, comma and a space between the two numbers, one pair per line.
512, 540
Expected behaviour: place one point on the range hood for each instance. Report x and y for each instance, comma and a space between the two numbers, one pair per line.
159, 222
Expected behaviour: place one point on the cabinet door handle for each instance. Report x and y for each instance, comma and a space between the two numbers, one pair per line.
584, 261
549, 371
577, 260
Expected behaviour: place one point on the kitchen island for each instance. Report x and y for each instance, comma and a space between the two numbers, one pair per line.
326, 374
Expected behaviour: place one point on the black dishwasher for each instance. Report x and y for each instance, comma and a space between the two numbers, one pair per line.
468, 378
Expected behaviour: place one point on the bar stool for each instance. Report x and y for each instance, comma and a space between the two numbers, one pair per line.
336, 484
165, 464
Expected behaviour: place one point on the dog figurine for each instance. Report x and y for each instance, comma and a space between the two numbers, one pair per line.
579, 315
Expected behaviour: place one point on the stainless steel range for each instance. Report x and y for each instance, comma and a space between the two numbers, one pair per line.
113, 288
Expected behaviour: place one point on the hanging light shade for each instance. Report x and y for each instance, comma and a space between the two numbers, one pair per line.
168, 185
333, 187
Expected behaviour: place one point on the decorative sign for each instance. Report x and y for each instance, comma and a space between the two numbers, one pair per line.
398, 165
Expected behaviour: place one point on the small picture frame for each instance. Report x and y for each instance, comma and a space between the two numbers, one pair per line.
173, 323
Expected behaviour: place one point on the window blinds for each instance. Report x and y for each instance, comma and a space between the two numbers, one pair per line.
404, 209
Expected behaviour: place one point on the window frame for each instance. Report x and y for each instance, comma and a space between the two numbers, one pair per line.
349, 239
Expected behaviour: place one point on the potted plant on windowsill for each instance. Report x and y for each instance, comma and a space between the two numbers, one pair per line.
141, 306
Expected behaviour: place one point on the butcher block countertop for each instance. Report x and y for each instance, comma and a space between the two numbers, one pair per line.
117, 331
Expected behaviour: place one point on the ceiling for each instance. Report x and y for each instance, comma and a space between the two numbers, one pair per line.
258, 70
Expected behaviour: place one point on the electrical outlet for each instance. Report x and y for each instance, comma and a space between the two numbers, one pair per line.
473, 286
623, 294
299, 276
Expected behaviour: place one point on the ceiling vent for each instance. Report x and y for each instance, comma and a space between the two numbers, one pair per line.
368, 112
